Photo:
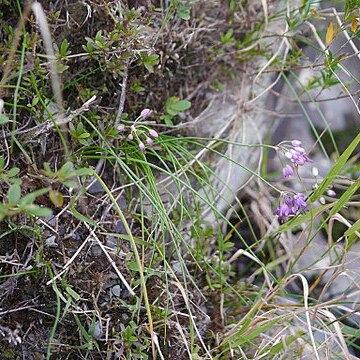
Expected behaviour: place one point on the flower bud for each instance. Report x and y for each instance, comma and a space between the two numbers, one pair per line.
142, 146
296, 143
331, 192
121, 128
145, 113
150, 141
315, 171
153, 133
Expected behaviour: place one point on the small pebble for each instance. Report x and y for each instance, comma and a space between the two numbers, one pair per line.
96, 188
98, 332
119, 228
111, 242
96, 250
50, 241
50, 220
116, 290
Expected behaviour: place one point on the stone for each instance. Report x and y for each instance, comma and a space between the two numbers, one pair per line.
116, 290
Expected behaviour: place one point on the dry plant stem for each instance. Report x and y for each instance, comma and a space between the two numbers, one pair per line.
47, 125
307, 313
183, 293
65, 267
351, 42
122, 95
46, 35
138, 261
121, 277
55, 80
15, 44
112, 263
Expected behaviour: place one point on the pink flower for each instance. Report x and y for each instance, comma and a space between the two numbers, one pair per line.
130, 137
150, 141
142, 146
153, 133
121, 128
145, 113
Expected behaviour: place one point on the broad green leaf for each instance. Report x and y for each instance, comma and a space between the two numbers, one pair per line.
13, 172
84, 172
28, 199
71, 184
3, 119
67, 167
36, 210
84, 135
14, 194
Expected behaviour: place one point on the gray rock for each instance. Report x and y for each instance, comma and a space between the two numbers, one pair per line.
96, 188
116, 290
50, 241
96, 250
98, 332
111, 242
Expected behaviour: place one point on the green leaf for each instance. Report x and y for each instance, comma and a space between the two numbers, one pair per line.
82, 217
73, 293
84, 172
13, 172
353, 229
64, 47
28, 199
336, 169
37, 210
14, 194
252, 334
345, 197
71, 184
3, 119
67, 167
167, 120
2, 162
174, 105
132, 265
84, 135
182, 105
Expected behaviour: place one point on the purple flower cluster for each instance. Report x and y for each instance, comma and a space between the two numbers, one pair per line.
291, 205
295, 153
135, 134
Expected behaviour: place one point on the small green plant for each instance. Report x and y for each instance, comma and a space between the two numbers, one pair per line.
173, 107
66, 175
183, 8
149, 61
17, 204
80, 134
